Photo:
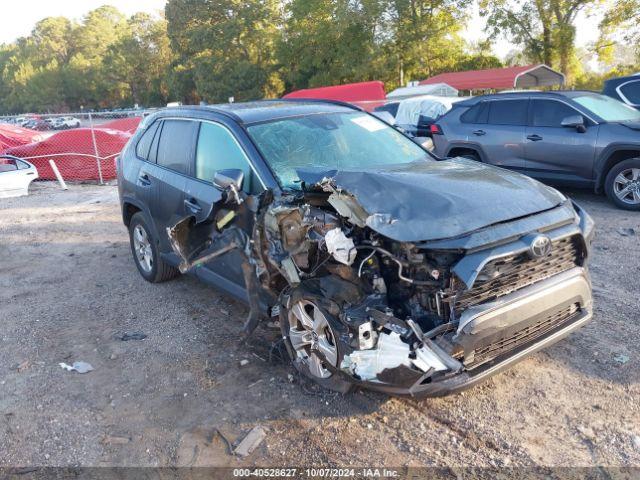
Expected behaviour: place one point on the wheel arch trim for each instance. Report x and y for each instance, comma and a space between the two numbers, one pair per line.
148, 218
468, 146
604, 165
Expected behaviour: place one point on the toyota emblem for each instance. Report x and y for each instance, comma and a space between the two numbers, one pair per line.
540, 246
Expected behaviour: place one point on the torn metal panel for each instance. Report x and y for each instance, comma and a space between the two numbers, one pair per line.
225, 230
426, 201
347, 206
180, 237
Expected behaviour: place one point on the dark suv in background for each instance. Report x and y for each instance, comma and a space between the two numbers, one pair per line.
572, 138
625, 89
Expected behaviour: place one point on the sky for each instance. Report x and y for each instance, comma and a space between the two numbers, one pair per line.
19, 17
586, 31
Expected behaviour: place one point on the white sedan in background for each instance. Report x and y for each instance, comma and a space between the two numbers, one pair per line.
62, 123
15, 176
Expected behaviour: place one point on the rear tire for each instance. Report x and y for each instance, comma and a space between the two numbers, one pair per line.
622, 184
144, 249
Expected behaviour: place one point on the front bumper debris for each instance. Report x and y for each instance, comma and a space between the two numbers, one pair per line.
491, 337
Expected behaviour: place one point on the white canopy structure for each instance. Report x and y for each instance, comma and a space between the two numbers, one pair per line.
435, 89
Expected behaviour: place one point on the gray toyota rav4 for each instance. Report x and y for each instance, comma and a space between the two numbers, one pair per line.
573, 138
384, 267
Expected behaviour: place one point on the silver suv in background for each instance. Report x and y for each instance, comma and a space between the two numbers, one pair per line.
572, 138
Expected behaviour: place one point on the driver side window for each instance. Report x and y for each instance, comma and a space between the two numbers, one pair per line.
218, 150
550, 113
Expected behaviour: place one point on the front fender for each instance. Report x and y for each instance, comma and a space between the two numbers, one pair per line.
601, 168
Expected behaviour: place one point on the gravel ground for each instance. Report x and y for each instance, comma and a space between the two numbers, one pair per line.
69, 289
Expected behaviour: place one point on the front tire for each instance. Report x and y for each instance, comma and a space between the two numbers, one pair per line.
145, 252
306, 328
622, 184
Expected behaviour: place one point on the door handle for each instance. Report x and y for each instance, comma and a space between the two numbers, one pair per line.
143, 180
192, 205
479, 133
534, 138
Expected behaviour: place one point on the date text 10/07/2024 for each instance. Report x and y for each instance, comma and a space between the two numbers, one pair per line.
316, 472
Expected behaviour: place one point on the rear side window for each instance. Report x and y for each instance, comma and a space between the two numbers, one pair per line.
479, 113
218, 150
631, 91
144, 144
508, 112
22, 165
549, 113
176, 145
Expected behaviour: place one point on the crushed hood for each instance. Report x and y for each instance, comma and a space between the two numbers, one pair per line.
436, 200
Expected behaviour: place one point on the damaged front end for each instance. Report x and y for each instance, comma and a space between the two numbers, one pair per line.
362, 301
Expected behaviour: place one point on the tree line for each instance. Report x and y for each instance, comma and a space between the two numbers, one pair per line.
203, 50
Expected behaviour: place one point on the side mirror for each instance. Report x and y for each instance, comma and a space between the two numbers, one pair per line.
228, 178
574, 121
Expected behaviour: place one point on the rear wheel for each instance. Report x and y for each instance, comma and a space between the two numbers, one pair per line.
306, 329
622, 184
145, 252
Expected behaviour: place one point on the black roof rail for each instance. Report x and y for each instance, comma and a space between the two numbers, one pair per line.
211, 108
322, 100
222, 111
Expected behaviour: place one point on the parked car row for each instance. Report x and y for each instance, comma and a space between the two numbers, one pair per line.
49, 123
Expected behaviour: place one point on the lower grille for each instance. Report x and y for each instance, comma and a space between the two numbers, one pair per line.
527, 334
508, 274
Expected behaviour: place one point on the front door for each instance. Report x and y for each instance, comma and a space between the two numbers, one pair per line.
557, 154
218, 149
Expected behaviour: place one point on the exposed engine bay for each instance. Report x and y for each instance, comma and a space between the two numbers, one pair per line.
359, 307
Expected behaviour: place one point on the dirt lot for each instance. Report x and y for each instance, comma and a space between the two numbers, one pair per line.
69, 289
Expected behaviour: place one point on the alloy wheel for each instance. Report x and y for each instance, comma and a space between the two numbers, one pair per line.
626, 186
142, 248
309, 331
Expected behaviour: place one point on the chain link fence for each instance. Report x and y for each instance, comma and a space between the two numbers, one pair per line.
83, 146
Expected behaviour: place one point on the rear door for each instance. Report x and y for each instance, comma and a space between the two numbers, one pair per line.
217, 148
502, 137
162, 179
557, 154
